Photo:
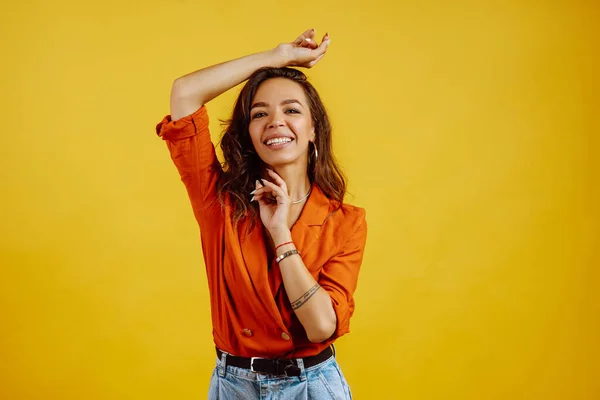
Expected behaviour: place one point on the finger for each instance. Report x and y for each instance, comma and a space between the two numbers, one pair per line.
308, 34
255, 196
265, 200
319, 51
325, 42
258, 197
315, 61
261, 201
309, 43
278, 179
266, 192
260, 190
272, 186
261, 196
280, 194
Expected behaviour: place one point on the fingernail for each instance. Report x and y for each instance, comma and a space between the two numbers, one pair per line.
254, 191
263, 181
252, 199
256, 183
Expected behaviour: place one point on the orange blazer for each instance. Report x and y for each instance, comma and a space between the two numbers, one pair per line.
251, 313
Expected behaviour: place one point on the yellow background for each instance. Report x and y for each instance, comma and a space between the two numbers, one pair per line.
467, 130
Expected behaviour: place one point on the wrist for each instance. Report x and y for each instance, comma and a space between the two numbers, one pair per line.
280, 236
284, 247
278, 57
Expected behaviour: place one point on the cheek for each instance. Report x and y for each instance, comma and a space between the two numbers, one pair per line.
254, 135
303, 129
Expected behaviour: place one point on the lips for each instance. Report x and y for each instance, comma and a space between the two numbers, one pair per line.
274, 140
277, 141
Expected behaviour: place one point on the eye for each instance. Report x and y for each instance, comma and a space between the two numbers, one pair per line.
292, 111
258, 115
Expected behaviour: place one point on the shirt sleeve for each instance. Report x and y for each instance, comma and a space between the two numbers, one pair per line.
339, 277
188, 140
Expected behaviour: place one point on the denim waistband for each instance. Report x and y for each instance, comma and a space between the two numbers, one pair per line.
256, 376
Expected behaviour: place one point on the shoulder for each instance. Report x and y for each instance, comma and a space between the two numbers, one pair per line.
344, 232
351, 214
346, 220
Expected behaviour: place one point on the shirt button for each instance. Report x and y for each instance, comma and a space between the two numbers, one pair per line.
285, 336
247, 332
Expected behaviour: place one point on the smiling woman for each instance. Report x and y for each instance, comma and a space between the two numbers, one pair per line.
282, 250
278, 104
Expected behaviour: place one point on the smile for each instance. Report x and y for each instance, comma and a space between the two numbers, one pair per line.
278, 142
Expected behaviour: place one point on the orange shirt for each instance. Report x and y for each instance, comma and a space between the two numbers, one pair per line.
251, 313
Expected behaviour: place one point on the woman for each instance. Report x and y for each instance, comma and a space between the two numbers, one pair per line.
282, 250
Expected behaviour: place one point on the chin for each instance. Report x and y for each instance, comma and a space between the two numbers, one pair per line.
279, 163
280, 160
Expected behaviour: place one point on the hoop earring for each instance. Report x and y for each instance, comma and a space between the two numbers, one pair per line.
316, 154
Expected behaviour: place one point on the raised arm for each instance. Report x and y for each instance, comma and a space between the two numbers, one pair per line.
187, 135
193, 90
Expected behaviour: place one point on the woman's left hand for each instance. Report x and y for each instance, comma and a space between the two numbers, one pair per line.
274, 203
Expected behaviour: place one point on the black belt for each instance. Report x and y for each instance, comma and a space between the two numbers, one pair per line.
275, 366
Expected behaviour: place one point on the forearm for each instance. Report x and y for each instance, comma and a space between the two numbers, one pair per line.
193, 90
311, 303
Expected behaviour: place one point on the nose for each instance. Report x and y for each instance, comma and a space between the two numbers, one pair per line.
276, 120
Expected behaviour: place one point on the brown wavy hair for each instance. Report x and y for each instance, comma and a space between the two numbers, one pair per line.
242, 165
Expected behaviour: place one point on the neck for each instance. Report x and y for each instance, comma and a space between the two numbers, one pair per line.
296, 180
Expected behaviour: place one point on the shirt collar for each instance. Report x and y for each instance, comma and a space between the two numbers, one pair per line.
316, 209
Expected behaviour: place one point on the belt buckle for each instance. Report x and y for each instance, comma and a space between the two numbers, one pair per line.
252, 363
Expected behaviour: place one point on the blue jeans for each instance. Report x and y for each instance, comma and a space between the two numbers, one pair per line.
319, 382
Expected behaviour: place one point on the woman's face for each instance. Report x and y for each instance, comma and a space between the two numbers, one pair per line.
280, 123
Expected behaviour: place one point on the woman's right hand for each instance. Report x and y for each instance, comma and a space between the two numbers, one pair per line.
304, 51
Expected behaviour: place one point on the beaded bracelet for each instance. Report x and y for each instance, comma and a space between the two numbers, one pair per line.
286, 254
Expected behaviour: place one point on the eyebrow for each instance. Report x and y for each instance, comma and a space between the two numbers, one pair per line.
284, 102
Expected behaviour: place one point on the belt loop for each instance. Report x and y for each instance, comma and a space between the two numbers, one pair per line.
333, 348
223, 365
300, 363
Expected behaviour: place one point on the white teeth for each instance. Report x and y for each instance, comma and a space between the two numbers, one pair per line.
278, 141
